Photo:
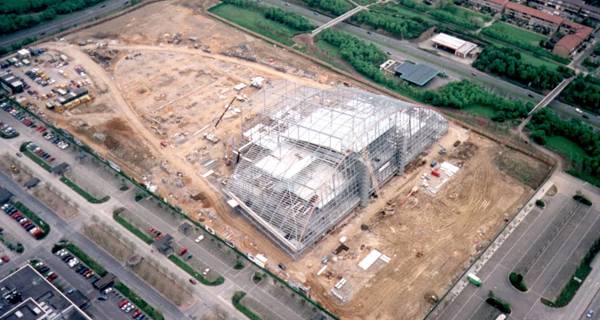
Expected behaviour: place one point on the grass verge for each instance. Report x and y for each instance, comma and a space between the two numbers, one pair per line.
237, 303
198, 276
35, 218
255, 21
133, 229
86, 195
139, 302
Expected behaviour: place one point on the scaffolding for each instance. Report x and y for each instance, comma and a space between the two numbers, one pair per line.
311, 156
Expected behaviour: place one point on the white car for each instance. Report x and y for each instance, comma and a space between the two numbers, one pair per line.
200, 238
206, 271
578, 110
73, 262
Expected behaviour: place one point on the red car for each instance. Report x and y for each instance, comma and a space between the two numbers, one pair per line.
136, 313
122, 303
52, 277
5, 258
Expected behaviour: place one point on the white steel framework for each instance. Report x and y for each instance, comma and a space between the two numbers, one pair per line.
312, 156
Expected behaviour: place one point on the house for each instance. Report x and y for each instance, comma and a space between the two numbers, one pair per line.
537, 20
417, 74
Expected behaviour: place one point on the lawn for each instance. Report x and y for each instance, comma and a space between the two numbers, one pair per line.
197, 275
255, 21
565, 147
481, 111
516, 35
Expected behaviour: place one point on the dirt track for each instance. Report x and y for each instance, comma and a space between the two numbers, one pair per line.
429, 239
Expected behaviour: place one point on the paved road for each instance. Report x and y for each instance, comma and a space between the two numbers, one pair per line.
207, 298
549, 245
410, 51
60, 228
65, 22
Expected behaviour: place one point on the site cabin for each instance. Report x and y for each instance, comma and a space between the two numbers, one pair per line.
474, 280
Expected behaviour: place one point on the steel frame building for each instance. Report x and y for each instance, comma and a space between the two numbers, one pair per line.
314, 155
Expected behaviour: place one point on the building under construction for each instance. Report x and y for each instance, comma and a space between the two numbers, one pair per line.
314, 155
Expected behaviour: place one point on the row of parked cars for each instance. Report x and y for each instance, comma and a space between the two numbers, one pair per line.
127, 307
45, 271
7, 131
40, 152
25, 222
29, 122
74, 263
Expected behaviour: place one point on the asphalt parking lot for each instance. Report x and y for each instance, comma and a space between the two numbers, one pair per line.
546, 248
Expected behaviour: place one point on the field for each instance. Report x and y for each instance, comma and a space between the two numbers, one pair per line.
163, 75
565, 147
516, 35
255, 21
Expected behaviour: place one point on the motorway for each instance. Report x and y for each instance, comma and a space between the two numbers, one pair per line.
65, 22
206, 298
409, 50
546, 247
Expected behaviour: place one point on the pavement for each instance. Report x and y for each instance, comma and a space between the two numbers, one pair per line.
206, 298
408, 50
546, 247
65, 22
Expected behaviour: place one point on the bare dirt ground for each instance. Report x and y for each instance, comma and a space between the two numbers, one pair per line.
162, 77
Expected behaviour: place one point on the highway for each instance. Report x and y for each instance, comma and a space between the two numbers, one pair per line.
65, 22
408, 50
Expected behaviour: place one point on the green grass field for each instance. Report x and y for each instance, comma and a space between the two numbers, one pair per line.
565, 147
481, 111
516, 35
255, 21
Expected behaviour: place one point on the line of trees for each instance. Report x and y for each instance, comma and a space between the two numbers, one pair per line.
546, 124
289, 19
364, 57
583, 92
462, 94
399, 26
334, 7
506, 62
18, 15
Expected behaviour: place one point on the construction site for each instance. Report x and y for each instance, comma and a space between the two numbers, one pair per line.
371, 204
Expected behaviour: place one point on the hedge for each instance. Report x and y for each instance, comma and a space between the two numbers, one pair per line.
34, 157
133, 229
498, 303
139, 302
86, 195
198, 276
87, 260
237, 303
35, 218
516, 279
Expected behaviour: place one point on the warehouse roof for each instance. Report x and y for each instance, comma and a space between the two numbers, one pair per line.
454, 43
418, 74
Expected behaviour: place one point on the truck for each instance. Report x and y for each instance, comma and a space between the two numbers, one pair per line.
474, 280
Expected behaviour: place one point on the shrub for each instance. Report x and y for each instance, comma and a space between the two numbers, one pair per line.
540, 203
498, 303
237, 303
582, 199
239, 265
516, 279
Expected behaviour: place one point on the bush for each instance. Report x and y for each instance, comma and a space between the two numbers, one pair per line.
257, 277
540, 203
239, 265
290, 19
237, 303
582, 199
516, 279
498, 303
